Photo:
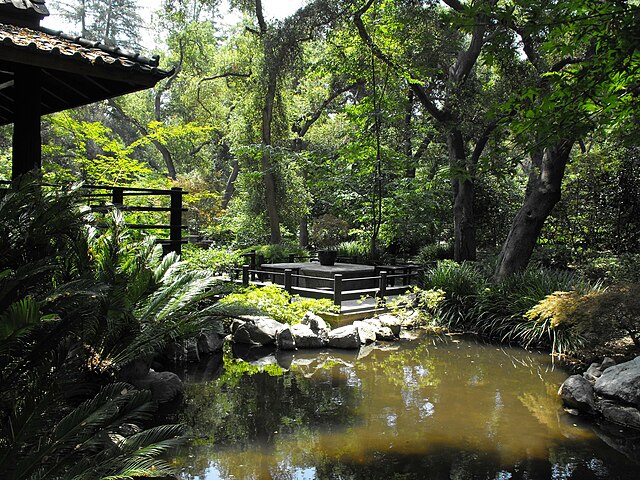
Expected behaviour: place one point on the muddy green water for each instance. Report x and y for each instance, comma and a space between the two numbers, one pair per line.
447, 407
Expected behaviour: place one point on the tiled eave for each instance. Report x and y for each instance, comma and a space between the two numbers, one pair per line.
76, 71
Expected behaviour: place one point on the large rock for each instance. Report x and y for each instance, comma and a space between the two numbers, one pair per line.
305, 337
382, 333
317, 325
164, 386
622, 415
210, 343
284, 339
256, 331
621, 382
344, 337
392, 322
576, 392
366, 332
593, 373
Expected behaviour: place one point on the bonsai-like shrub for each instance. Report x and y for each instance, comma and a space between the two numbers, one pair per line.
328, 231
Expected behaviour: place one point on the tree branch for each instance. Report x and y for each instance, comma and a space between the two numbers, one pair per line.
302, 126
420, 92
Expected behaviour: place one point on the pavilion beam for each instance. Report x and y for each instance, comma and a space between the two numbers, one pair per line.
27, 140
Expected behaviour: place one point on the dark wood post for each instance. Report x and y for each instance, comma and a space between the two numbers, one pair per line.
175, 223
117, 196
27, 140
288, 280
382, 286
337, 289
245, 275
292, 257
252, 263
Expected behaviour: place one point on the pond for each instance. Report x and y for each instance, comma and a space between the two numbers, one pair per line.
449, 407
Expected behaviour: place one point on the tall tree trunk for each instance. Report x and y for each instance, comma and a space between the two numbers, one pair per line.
543, 192
267, 167
463, 191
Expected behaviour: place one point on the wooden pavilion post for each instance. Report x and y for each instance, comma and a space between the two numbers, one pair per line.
27, 140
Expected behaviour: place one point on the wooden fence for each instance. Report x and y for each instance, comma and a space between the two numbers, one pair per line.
102, 197
338, 289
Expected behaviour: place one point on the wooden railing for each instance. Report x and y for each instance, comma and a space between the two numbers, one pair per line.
102, 197
337, 288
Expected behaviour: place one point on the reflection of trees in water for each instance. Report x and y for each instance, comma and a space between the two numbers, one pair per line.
456, 409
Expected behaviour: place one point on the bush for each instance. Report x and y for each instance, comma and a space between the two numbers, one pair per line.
278, 304
430, 254
218, 261
276, 253
353, 249
611, 268
570, 321
500, 307
461, 283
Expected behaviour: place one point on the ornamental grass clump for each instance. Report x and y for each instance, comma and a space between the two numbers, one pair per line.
500, 307
461, 284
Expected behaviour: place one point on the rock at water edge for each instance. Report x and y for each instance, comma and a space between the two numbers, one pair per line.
621, 382
285, 340
344, 337
305, 337
366, 332
576, 392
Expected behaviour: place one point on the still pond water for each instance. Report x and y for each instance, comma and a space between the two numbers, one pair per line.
430, 407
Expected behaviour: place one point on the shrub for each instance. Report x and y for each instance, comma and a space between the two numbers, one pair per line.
328, 231
461, 283
425, 302
276, 253
75, 306
278, 304
611, 268
429, 254
353, 249
567, 321
218, 261
500, 307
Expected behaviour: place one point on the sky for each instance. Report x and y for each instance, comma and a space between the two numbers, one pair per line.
273, 9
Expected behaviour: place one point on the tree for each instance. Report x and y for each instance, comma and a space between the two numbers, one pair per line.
442, 86
589, 71
112, 22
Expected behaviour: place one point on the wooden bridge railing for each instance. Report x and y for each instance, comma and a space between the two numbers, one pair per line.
102, 197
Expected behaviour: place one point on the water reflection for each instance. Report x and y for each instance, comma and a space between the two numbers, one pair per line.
432, 407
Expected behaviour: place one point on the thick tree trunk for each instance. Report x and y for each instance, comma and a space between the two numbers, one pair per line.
267, 167
463, 191
543, 192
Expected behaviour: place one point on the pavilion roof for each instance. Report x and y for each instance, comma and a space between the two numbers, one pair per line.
76, 71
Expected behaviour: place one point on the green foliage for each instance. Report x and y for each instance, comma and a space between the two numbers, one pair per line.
75, 306
425, 302
582, 323
278, 304
430, 254
328, 231
355, 249
218, 261
461, 282
501, 307
609, 268
276, 253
